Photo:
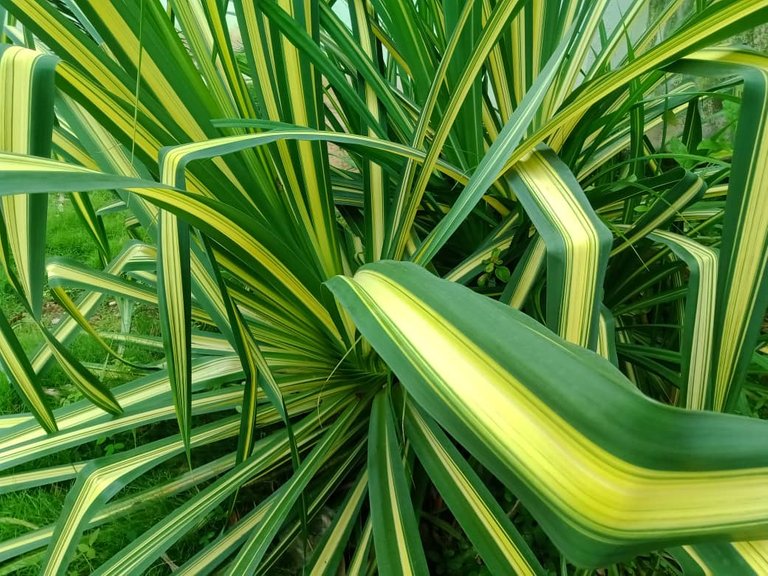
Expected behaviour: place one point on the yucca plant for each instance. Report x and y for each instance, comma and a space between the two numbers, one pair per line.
404, 253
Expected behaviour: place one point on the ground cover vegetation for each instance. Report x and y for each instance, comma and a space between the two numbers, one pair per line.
383, 287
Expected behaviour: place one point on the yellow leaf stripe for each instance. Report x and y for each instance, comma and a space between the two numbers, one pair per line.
98, 483
526, 273
21, 77
743, 284
343, 522
577, 244
606, 337
11, 420
669, 204
359, 563
193, 208
755, 553
269, 452
497, 530
395, 530
175, 313
40, 476
27, 451
622, 499
75, 417
19, 371
376, 179
691, 551
699, 323
41, 537
175, 160
220, 549
719, 18
407, 204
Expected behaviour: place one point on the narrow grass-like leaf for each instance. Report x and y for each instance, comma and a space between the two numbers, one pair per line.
668, 205
93, 223
257, 373
208, 559
408, 200
361, 559
20, 373
375, 183
80, 376
526, 273
716, 22
268, 452
395, 530
103, 478
502, 547
175, 313
252, 552
288, 90
74, 312
40, 538
493, 160
151, 390
699, 323
39, 477
742, 280
711, 559
329, 553
142, 415
606, 337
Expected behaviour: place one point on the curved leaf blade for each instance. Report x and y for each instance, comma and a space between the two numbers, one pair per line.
26, 125
577, 244
503, 386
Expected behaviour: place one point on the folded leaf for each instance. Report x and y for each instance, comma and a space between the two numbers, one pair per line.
561, 427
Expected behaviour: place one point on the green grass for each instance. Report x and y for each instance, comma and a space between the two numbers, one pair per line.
26, 510
67, 236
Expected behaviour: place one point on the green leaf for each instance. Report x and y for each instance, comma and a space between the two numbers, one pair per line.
466, 360
501, 546
395, 530
252, 552
576, 239
742, 283
103, 478
20, 373
28, 87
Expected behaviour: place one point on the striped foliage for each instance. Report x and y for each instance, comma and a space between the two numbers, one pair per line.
25, 128
577, 244
585, 283
510, 413
742, 283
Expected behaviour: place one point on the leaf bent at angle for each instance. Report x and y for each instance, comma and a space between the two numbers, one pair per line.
601, 477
